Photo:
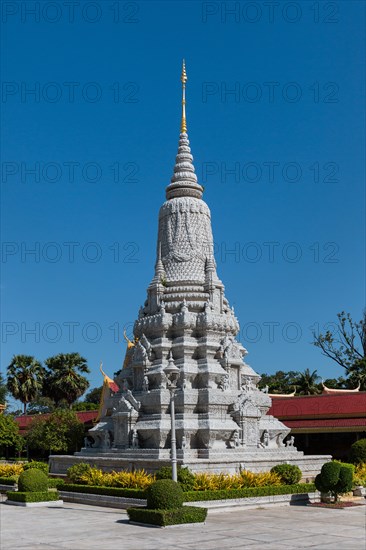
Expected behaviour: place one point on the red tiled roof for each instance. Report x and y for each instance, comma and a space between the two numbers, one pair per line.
327, 423
320, 406
24, 420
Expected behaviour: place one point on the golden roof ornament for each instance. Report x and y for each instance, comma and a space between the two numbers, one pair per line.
129, 343
183, 126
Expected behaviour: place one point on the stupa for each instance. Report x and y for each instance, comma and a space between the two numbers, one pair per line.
222, 423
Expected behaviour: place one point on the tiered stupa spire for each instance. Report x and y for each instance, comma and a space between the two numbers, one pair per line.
184, 179
183, 126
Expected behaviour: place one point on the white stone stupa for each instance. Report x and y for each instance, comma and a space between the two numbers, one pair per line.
222, 423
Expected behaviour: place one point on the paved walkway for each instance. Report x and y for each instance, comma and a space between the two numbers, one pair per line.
81, 527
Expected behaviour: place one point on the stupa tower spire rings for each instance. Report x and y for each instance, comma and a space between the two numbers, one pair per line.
184, 180
183, 126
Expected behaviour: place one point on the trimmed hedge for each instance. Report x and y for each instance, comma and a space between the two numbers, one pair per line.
39, 496
164, 494
192, 496
12, 480
109, 491
55, 482
186, 514
300, 488
32, 480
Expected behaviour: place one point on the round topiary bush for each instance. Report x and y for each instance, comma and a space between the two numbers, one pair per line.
290, 474
335, 478
164, 494
32, 480
43, 466
358, 451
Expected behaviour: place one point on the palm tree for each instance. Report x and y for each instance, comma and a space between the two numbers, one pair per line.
63, 380
25, 378
306, 382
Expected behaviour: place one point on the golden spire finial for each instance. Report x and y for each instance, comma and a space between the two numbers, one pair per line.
183, 126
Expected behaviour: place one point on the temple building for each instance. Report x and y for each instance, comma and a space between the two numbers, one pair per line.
329, 423
186, 323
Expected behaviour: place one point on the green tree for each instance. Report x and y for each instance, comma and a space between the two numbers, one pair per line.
346, 345
41, 405
64, 380
61, 431
25, 379
3, 390
357, 374
94, 395
339, 383
306, 383
9, 434
279, 382
84, 406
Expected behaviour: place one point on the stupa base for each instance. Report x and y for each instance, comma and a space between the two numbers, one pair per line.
221, 462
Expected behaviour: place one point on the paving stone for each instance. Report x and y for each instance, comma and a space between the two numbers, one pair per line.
80, 527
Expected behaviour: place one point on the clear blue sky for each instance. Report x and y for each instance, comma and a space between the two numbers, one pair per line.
106, 107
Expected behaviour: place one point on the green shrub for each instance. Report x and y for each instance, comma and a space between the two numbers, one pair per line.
165, 472
185, 514
138, 479
289, 473
335, 478
11, 480
56, 482
185, 476
358, 451
328, 476
164, 494
43, 466
109, 491
9, 470
32, 480
347, 465
345, 482
360, 474
39, 496
76, 472
249, 492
